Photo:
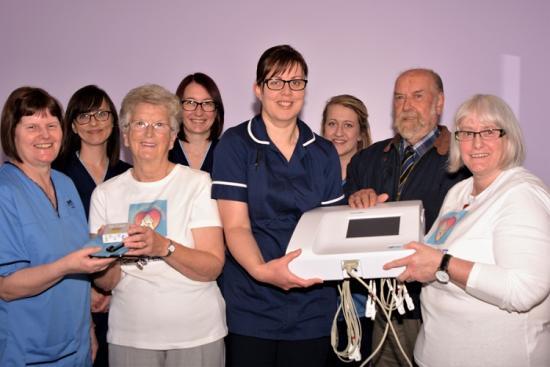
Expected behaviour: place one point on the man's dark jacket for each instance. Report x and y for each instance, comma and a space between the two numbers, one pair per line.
378, 167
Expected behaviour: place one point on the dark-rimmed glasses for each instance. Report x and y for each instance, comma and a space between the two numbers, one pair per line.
191, 105
86, 117
279, 84
488, 134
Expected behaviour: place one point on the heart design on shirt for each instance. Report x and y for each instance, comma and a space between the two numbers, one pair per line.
148, 218
444, 226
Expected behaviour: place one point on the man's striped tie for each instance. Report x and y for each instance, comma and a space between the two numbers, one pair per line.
406, 166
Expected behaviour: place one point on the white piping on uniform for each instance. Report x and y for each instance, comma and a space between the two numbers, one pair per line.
228, 183
332, 201
249, 128
309, 141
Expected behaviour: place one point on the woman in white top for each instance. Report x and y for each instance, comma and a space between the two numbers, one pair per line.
166, 308
486, 269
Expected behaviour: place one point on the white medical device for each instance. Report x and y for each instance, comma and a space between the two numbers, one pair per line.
332, 237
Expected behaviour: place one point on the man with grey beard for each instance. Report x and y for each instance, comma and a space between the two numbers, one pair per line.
410, 166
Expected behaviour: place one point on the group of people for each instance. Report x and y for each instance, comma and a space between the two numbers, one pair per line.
205, 281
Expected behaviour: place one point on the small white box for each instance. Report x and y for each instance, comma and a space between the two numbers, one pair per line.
115, 232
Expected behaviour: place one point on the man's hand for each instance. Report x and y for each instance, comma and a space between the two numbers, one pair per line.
366, 198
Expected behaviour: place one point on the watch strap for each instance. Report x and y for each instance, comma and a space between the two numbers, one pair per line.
170, 248
444, 265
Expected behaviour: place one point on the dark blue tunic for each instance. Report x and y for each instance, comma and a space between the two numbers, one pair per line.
84, 183
176, 155
249, 168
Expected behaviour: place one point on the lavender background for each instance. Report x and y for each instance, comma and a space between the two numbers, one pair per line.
358, 47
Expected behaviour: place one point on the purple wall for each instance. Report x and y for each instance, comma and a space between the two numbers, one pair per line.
357, 47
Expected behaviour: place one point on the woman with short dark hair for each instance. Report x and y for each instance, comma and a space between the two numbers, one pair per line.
44, 285
267, 172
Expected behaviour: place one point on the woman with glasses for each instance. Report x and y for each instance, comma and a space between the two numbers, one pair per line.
486, 262
166, 308
89, 156
91, 147
202, 122
44, 284
267, 172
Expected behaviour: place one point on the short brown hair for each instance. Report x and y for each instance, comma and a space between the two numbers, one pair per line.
25, 101
276, 60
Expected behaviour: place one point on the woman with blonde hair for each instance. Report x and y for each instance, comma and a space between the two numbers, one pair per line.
345, 123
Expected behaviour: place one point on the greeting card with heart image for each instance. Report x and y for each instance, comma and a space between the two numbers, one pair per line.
152, 215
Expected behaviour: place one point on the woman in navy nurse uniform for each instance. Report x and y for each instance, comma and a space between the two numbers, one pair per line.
267, 172
89, 156
202, 123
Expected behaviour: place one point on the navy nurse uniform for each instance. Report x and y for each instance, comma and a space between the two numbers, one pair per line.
249, 168
177, 155
84, 183
51, 328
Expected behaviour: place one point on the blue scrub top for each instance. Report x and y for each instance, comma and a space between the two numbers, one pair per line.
249, 168
53, 327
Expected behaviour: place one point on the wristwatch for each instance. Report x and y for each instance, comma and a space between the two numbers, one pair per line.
441, 275
171, 248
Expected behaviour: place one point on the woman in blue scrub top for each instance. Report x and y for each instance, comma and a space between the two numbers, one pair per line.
267, 172
44, 289
202, 125
90, 155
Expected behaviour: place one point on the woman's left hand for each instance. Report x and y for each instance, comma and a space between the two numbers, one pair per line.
144, 241
420, 266
276, 272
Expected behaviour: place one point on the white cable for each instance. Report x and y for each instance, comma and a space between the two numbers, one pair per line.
347, 307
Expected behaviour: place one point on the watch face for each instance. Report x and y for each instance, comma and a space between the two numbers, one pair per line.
172, 248
442, 276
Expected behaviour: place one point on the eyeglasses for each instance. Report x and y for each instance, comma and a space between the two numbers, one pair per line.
488, 134
86, 117
278, 84
191, 105
158, 127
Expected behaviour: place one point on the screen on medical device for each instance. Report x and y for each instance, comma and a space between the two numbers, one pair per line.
373, 227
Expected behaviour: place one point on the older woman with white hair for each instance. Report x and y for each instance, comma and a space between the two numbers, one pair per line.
487, 269
166, 308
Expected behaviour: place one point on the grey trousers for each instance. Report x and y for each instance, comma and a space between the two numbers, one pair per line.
208, 355
390, 355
